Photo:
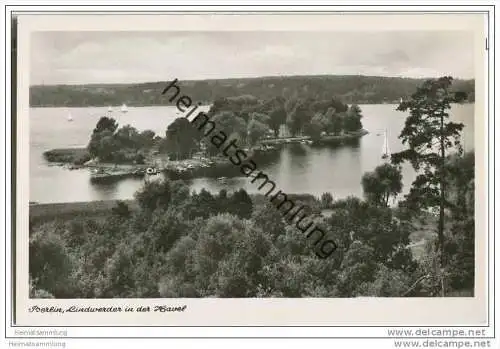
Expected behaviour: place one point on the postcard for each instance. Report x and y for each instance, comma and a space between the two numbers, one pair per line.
251, 169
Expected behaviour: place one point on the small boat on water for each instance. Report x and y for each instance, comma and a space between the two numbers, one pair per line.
124, 108
100, 175
222, 179
69, 118
110, 110
386, 153
140, 172
151, 171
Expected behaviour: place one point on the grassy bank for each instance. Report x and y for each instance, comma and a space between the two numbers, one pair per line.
336, 139
40, 213
322, 140
76, 156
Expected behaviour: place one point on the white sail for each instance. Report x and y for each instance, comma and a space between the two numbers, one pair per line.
110, 110
124, 108
70, 118
385, 148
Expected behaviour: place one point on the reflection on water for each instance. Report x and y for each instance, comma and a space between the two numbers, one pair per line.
106, 189
297, 168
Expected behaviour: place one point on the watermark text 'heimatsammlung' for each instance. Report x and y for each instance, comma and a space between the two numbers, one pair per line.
323, 246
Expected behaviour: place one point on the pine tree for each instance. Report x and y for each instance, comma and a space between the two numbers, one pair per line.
429, 134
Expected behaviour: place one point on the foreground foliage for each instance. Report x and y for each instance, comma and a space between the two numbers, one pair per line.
173, 243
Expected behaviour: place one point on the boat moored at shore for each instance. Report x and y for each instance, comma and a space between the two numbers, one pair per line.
101, 175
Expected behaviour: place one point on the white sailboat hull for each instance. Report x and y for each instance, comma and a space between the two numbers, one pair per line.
386, 153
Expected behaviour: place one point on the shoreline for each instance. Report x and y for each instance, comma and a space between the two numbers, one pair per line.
40, 213
195, 167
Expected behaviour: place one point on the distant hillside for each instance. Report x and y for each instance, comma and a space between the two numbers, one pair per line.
347, 88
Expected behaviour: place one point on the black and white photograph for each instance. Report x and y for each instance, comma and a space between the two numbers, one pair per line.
250, 164
234, 173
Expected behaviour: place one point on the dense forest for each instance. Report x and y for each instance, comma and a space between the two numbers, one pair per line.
349, 89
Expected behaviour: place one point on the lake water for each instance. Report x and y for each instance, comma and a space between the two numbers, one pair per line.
297, 169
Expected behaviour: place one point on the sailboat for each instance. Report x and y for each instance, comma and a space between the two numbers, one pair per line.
124, 108
385, 149
70, 118
110, 110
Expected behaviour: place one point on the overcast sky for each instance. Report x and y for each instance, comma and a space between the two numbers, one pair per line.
123, 57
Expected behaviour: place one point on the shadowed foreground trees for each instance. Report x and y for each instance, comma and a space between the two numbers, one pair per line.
174, 243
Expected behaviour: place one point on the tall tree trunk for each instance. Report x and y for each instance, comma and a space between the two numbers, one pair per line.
441, 207
441, 201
